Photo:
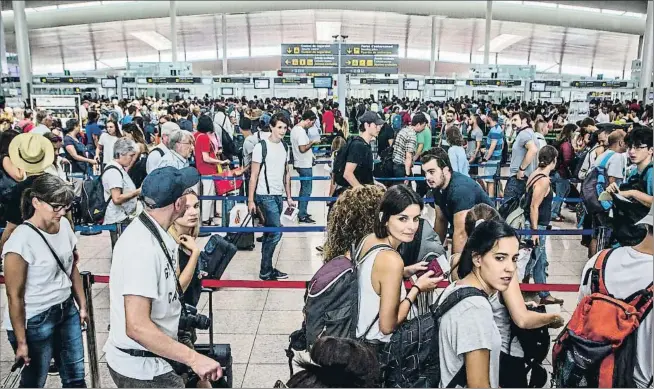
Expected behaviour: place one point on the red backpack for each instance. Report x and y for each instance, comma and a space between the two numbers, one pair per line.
597, 348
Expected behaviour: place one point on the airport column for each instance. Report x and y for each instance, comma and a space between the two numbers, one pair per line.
340, 86
22, 48
647, 53
3, 48
224, 28
489, 19
173, 29
432, 63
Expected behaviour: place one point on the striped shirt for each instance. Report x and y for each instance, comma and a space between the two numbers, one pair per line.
405, 142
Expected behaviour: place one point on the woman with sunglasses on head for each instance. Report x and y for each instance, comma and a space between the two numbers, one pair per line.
43, 317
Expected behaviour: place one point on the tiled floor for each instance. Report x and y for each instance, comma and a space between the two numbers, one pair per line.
257, 322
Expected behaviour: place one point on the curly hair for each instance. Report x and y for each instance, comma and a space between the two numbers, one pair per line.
351, 219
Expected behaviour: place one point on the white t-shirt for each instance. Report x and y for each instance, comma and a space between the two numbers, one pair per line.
46, 285
139, 267
603, 118
40, 129
107, 141
250, 142
220, 122
627, 272
276, 160
111, 179
467, 327
615, 166
154, 157
502, 318
299, 138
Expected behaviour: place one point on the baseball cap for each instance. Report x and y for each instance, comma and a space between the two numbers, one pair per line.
371, 117
648, 219
165, 185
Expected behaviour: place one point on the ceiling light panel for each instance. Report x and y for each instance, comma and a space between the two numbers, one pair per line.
501, 42
154, 39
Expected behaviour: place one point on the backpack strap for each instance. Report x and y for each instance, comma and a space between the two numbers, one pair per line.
264, 154
597, 284
604, 161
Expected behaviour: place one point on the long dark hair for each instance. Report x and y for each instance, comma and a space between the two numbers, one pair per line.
395, 200
481, 241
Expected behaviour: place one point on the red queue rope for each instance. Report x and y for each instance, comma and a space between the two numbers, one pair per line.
258, 284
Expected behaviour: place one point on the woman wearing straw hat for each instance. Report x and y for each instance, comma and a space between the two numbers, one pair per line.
31, 153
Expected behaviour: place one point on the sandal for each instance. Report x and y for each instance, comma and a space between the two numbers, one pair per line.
558, 219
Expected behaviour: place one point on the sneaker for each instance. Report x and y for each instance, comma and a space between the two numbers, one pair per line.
551, 300
269, 277
279, 274
307, 220
260, 239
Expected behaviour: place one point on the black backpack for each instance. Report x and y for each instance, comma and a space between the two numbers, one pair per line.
93, 205
627, 213
331, 303
264, 154
341, 160
7, 185
411, 358
138, 171
535, 343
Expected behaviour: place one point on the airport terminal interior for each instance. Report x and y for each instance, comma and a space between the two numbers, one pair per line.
468, 118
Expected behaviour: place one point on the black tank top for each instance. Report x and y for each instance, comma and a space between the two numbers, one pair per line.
545, 208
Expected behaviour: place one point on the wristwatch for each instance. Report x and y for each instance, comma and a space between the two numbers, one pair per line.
521, 169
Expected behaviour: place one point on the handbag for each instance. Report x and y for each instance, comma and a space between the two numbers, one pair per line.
226, 186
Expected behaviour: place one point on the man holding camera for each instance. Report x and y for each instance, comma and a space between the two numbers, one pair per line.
145, 298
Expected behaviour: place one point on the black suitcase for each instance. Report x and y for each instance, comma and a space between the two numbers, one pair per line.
243, 240
222, 353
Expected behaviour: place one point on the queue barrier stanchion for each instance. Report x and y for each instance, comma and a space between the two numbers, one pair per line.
92, 347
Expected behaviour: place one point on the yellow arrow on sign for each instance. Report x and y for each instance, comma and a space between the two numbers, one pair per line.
289, 50
348, 62
288, 62
349, 51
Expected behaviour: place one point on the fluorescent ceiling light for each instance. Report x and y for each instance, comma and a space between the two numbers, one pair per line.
635, 15
326, 30
578, 8
79, 4
501, 42
539, 4
154, 39
46, 8
612, 12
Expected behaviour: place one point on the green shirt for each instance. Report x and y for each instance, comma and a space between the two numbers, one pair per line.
424, 138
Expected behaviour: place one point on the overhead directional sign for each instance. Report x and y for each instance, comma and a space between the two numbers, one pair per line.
174, 80
379, 81
6, 80
313, 58
233, 80
369, 58
287, 80
66, 80
439, 81
599, 84
309, 58
493, 82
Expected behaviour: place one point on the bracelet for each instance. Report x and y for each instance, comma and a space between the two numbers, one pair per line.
521, 169
417, 287
410, 302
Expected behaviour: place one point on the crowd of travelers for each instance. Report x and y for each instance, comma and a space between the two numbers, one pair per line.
497, 176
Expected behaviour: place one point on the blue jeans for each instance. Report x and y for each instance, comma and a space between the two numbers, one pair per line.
227, 206
55, 332
271, 208
562, 189
305, 189
538, 262
514, 188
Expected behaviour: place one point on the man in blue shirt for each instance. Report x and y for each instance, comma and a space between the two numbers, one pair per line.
131, 111
493, 154
93, 131
454, 195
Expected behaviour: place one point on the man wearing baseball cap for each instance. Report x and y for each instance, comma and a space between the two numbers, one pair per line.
145, 303
629, 270
358, 155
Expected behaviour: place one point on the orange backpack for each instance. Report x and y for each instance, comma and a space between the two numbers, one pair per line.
597, 348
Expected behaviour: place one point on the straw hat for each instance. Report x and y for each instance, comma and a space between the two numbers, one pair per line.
31, 152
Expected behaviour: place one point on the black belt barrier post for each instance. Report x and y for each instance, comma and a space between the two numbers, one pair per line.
87, 284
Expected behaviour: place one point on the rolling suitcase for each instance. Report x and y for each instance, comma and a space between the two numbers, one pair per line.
13, 378
222, 353
242, 240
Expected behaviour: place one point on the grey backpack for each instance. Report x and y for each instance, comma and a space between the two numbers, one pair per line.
331, 303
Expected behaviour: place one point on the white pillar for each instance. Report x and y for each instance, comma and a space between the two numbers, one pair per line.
173, 28
4, 68
340, 87
489, 18
432, 63
22, 48
647, 52
224, 28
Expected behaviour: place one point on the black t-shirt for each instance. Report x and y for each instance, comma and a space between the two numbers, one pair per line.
12, 205
461, 194
192, 293
360, 153
385, 135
